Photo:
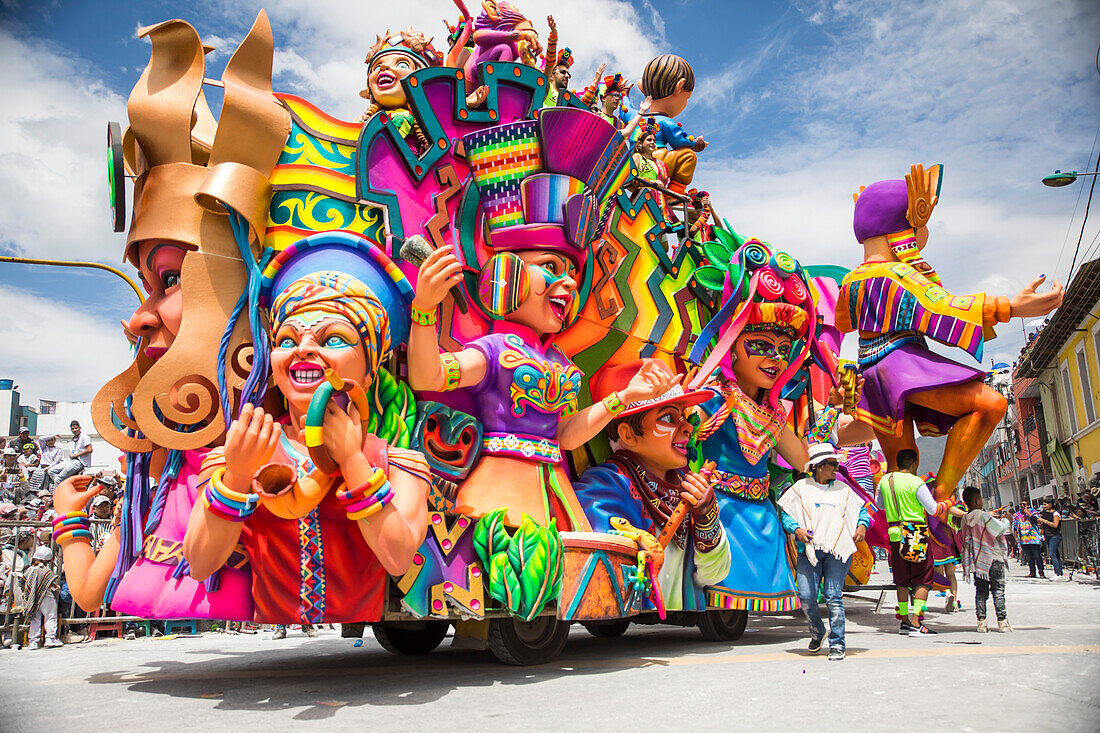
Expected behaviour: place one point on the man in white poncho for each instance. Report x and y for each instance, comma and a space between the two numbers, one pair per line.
827, 519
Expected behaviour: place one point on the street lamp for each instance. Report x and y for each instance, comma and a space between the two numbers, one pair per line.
1057, 179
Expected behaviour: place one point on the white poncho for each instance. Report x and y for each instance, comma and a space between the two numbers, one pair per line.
830, 512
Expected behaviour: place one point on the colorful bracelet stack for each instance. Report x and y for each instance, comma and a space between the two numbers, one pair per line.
452, 371
613, 404
71, 526
369, 499
224, 502
423, 317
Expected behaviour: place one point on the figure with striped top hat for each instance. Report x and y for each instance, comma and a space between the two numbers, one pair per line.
542, 186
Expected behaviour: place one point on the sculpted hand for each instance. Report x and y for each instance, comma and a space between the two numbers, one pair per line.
651, 381
1027, 303
249, 444
698, 493
550, 22
436, 276
477, 97
700, 145
343, 433
72, 494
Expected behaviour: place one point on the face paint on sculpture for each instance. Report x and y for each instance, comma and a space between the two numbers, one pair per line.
761, 357
550, 305
310, 341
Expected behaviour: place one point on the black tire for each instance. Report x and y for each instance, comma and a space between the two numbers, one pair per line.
397, 640
724, 624
523, 643
607, 629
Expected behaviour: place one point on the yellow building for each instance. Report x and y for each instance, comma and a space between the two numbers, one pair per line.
1065, 362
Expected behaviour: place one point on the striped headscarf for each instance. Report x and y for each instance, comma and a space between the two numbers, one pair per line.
341, 295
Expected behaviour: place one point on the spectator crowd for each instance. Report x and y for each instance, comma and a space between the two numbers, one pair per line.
33, 586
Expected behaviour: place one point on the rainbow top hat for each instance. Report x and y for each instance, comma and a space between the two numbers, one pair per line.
543, 183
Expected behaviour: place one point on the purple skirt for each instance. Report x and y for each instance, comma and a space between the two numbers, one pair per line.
908, 369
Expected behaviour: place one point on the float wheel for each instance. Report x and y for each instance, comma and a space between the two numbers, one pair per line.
524, 643
398, 640
607, 629
723, 624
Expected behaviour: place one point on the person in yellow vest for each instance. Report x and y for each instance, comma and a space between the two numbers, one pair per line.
907, 503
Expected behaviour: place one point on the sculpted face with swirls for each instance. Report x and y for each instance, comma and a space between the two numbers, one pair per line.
761, 358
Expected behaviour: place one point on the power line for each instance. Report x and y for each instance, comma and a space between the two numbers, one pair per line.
1076, 204
1084, 219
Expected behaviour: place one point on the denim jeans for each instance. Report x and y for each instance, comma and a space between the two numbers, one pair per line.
808, 578
63, 470
1034, 556
998, 571
1054, 549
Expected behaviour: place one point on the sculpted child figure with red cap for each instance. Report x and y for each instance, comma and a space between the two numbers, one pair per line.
646, 478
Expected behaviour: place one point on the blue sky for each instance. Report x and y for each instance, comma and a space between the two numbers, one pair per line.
802, 101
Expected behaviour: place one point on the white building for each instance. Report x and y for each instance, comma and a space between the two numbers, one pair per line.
55, 417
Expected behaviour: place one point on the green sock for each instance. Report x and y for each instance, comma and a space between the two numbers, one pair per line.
903, 608
918, 607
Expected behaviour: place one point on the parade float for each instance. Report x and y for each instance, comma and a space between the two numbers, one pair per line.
475, 360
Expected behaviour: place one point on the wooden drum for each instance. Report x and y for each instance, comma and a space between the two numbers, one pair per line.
596, 582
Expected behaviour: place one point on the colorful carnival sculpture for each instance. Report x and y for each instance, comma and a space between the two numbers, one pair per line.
896, 301
506, 447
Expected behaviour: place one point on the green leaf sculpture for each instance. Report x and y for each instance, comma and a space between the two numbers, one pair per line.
525, 568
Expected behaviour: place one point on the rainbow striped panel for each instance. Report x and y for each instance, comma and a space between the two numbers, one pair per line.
544, 195
500, 158
881, 305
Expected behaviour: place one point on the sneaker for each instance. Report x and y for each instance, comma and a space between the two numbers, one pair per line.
906, 627
921, 630
983, 626
949, 604
53, 643
836, 654
279, 634
130, 636
1004, 626
310, 632
35, 646
815, 645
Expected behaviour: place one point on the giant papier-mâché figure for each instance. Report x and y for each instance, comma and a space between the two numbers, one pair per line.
765, 330
645, 480
542, 186
896, 301
321, 540
181, 242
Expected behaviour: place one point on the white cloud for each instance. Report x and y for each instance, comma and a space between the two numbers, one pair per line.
321, 45
53, 197
1001, 93
55, 352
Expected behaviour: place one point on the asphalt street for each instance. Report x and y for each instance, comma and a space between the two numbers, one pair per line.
1045, 676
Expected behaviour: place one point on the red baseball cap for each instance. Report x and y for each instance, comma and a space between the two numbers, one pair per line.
615, 378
